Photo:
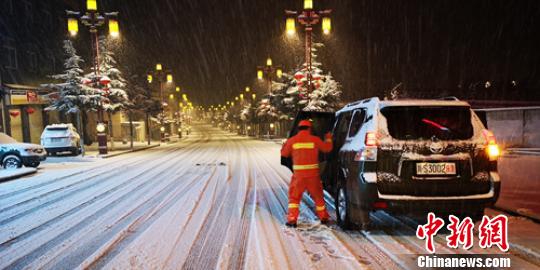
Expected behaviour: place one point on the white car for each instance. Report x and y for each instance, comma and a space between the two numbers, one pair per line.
61, 138
14, 154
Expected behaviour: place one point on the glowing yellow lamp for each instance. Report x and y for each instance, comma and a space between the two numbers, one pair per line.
326, 25
290, 26
73, 26
308, 4
114, 30
91, 5
279, 73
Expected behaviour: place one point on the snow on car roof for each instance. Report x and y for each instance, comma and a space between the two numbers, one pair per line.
60, 125
402, 102
423, 102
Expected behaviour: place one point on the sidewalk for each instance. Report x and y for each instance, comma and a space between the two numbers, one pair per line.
520, 184
12, 174
119, 148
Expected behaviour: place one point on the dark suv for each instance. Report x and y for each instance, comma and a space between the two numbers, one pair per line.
409, 156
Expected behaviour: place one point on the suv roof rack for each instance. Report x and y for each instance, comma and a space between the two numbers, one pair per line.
362, 101
449, 98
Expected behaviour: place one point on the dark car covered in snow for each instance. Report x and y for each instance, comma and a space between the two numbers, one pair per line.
409, 156
14, 154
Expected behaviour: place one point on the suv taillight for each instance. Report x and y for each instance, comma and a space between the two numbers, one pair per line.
371, 139
492, 149
369, 152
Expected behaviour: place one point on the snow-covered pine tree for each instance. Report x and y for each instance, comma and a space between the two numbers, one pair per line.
271, 107
73, 95
115, 94
325, 94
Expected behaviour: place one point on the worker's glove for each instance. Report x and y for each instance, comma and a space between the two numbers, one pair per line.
328, 136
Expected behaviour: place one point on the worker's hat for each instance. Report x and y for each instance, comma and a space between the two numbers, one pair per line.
305, 123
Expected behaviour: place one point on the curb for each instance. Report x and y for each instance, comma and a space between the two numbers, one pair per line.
130, 151
533, 218
28, 171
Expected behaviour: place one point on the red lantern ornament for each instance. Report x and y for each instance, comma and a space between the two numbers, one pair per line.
298, 75
30, 110
104, 80
14, 113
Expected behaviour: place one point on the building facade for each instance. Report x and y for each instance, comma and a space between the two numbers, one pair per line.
31, 34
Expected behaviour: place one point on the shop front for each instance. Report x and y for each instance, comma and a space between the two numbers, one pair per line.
23, 115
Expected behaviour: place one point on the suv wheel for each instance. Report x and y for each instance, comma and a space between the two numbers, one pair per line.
11, 162
342, 204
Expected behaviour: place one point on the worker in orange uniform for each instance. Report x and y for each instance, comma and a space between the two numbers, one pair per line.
304, 149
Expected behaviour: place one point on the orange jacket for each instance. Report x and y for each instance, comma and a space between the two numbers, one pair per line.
304, 149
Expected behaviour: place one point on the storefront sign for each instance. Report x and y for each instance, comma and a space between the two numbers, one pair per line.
24, 97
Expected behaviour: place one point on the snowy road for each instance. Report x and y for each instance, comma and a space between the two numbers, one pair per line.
215, 200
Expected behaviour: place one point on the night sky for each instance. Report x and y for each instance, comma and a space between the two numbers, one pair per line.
433, 48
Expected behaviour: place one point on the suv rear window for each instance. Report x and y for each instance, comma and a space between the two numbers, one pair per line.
423, 123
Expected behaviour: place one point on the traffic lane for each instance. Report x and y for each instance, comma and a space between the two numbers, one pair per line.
520, 184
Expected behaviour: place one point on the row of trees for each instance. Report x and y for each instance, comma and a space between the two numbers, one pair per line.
106, 90
290, 95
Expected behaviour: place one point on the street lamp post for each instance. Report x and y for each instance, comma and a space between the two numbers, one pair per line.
93, 20
162, 77
308, 18
267, 72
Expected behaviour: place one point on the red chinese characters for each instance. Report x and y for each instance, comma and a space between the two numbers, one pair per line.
460, 232
429, 230
494, 231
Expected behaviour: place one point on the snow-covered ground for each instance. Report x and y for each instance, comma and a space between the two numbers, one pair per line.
215, 200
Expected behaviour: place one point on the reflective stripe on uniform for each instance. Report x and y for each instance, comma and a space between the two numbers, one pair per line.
294, 205
308, 145
320, 208
305, 167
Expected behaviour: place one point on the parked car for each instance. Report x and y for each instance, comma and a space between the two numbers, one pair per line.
14, 154
408, 156
58, 138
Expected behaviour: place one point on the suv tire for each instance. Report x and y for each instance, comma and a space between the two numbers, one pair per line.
342, 206
11, 162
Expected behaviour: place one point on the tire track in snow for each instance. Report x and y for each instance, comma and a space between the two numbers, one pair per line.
89, 219
211, 237
46, 203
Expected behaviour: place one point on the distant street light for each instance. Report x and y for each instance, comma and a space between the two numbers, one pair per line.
162, 77
268, 72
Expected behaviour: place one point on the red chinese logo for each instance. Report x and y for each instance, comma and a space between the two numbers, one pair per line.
494, 232
429, 230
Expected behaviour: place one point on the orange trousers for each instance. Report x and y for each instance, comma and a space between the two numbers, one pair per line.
297, 187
